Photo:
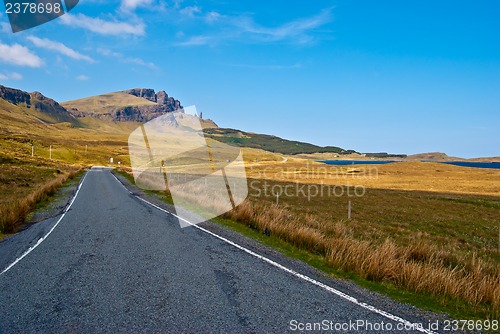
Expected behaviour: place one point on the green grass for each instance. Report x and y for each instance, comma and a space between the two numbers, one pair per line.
268, 142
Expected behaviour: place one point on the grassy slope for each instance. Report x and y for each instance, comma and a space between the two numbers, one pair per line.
103, 104
22, 175
267, 142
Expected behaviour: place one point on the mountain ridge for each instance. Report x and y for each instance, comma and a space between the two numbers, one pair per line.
133, 105
44, 108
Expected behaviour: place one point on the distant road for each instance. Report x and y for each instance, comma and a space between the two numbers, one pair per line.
115, 264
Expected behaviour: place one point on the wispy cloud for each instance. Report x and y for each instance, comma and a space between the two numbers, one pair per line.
17, 54
5, 27
103, 27
58, 47
127, 60
212, 17
200, 40
296, 31
190, 11
130, 5
10, 76
82, 77
302, 31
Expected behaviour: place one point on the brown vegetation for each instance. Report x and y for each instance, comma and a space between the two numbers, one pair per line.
417, 267
13, 214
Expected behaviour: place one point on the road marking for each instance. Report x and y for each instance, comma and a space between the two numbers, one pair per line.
301, 276
45, 237
121, 183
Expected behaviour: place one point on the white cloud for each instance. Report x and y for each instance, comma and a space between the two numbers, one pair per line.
126, 60
199, 40
5, 28
58, 47
19, 55
103, 27
139, 61
107, 52
10, 76
295, 30
212, 17
244, 29
190, 11
130, 5
16, 76
82, 77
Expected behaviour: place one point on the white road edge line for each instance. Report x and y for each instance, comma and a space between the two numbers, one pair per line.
45, 237
121, 183
369, 307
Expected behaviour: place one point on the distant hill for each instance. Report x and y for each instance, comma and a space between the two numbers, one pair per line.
268, 142
119, 112
133, 105
385, 155
432, 156
38, 105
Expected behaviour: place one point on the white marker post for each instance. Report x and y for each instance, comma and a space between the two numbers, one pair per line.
349, 207
32, 150
50, 152
277, 198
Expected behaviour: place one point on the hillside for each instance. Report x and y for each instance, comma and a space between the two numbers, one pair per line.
268, 142
38, 105
136, 105
432, 156
119, 113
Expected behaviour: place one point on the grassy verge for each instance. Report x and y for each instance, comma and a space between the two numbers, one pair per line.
25, 186
437, 252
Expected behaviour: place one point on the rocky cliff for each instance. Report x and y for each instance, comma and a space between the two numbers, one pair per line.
15, 96
120, 107
52, 111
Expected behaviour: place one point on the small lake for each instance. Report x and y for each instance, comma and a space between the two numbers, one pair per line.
383, 162
474, 164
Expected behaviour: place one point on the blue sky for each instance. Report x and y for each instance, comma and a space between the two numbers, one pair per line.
393, 76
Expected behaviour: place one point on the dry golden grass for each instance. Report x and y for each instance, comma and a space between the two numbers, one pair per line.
423, 176
13, 213
426, 242
418, 267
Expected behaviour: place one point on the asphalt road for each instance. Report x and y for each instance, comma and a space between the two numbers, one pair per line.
115, 264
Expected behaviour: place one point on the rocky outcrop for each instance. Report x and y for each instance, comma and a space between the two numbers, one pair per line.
145, 113
145, 93
15, 96
51, 107
39, 102
138, 113
160, 98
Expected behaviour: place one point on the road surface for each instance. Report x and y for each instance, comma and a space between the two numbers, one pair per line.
115, 264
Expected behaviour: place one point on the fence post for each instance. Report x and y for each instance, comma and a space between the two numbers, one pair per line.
349, 208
